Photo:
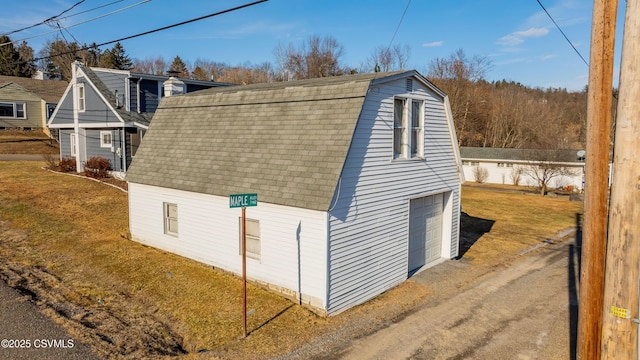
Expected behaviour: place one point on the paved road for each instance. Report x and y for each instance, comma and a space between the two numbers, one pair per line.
526, 311
26, 333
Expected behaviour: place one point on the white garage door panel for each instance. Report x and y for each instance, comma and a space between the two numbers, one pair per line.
425, 230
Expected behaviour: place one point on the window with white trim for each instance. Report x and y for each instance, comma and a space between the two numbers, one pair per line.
408, 128
105, 138
72, 144
253, 238
81, 97
505, 164
170, 219
13, 110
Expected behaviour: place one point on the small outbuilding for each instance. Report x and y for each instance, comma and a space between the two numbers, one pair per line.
358, 180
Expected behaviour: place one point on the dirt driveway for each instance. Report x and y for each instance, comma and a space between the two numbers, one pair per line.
527, 310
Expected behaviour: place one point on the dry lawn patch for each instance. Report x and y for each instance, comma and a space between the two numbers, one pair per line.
63, 239
519, 221
31, 142
130, 300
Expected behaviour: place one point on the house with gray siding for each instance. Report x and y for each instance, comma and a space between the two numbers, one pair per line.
105, 112
358, 180
27, 103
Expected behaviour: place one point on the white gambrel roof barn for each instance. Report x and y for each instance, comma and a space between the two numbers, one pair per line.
358, 180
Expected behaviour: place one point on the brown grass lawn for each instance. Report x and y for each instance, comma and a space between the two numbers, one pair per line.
31, 142
75, 229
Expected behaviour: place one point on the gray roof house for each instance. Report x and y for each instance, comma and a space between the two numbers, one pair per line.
28, 103
358, 181
105, 112
504, 165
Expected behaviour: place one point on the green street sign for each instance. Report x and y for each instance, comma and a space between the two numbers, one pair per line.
243, 200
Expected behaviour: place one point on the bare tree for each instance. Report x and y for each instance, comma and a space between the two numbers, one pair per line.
150, 65
516, 175
317, 57
480, 174
543, 167
389, 59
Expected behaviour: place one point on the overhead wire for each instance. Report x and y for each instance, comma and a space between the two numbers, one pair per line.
148, 32
74, 25
48, 19
562, 32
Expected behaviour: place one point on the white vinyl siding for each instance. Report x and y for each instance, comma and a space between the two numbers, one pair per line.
369, 220
208, 233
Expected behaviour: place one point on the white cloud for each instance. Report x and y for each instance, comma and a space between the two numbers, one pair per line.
433, 44
548, 57
518, 37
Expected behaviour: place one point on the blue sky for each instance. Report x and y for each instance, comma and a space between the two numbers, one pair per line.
520, 40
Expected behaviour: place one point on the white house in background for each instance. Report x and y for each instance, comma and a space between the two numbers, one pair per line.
358, 181
501, 164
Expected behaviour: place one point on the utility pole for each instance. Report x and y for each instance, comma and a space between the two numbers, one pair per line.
596, 178
619, 329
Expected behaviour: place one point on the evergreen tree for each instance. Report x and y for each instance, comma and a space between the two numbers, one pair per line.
179, 68
9, 58
116, 58
199, 74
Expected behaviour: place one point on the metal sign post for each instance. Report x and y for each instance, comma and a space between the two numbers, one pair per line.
235, 201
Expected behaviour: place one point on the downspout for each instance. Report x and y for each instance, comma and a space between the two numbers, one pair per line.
123, 143
138, 95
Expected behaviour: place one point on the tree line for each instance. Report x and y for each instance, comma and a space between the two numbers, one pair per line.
503, 114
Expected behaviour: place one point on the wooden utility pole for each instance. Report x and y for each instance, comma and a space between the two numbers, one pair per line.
620, 312
596, 178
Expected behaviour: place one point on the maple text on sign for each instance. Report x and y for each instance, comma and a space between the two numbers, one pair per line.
243, 200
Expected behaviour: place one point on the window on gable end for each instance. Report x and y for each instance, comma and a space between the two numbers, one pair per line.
408, 128
81, 98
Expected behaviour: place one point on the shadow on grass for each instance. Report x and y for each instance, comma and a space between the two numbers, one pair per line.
471, 229
270, 320
23, 141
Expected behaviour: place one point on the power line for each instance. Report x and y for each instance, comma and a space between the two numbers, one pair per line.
49, 19
563, 34
398, 27
148, 32
59, 28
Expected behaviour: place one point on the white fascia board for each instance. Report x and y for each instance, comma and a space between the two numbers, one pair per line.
100, 125
55, 111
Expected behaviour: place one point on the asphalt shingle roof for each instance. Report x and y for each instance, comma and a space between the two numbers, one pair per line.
285, 141
49, 90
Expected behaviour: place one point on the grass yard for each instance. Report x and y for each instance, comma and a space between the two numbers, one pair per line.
135, 301
31, 142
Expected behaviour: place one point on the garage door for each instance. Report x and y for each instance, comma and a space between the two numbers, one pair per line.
425, 230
